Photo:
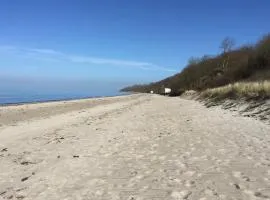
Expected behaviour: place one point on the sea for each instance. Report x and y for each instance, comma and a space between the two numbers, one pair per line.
22, 98
20, 90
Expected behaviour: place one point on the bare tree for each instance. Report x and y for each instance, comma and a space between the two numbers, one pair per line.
193, 61
227, 44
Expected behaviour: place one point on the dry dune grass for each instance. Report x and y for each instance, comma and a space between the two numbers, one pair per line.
241, 89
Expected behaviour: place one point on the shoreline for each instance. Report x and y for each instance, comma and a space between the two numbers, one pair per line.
59, 100
14, 113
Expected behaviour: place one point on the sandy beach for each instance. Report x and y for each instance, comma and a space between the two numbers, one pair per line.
136, 147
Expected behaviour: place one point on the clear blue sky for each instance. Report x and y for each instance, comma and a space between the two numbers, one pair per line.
119, 41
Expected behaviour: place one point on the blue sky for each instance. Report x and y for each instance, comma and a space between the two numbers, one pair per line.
118, 42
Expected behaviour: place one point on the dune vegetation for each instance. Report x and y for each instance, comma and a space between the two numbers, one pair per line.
241, 89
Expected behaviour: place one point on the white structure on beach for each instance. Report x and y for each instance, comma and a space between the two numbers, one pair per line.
167, 90
152, 92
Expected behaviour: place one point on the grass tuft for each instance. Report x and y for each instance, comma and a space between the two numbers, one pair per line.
239, 90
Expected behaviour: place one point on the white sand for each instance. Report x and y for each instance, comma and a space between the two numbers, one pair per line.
133, 147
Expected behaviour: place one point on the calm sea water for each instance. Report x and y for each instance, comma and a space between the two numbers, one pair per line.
31, 98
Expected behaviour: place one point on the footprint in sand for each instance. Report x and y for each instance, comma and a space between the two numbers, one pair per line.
189, 183
189, 173
257, 194
241, 175
210, 192
181, 195
12, 193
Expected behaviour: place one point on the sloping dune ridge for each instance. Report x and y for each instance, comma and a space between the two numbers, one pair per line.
132, 147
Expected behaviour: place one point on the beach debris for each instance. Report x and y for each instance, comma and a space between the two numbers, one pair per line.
25, 178
57, 139
4, 149
160, 135
76, 156
20, 197
237, 186
58, 156
27, 163
259, 194
20, 189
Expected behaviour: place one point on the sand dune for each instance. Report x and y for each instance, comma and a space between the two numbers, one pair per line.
133, 147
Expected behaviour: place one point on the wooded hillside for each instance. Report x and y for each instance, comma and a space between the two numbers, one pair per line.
246, 63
